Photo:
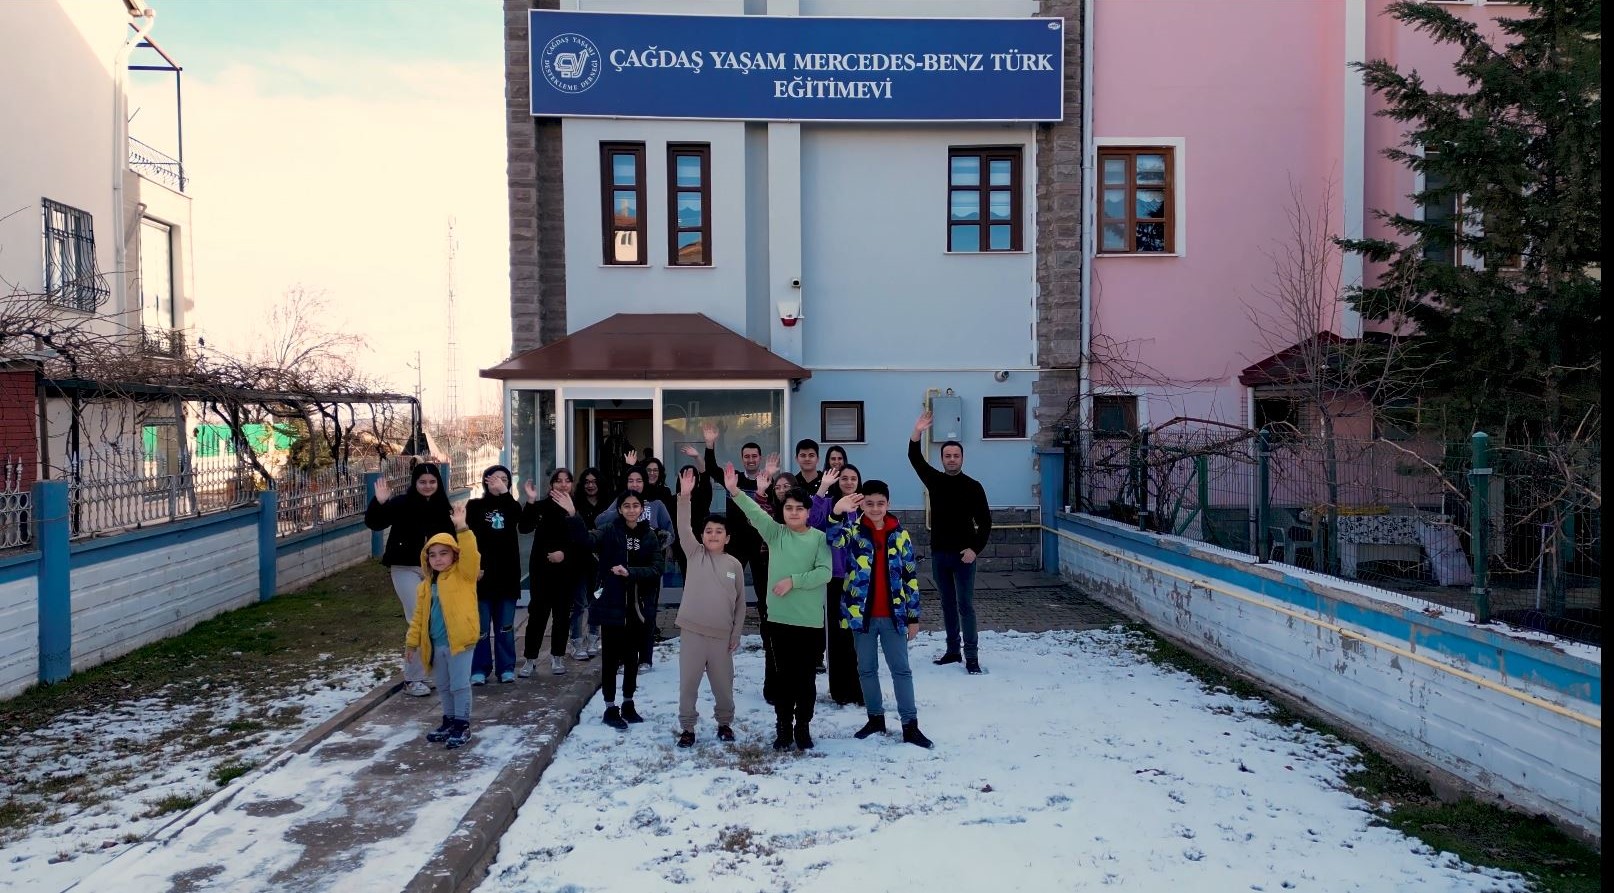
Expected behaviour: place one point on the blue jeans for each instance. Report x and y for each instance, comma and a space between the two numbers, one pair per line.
882, 634
955, 581
498, 625
453, 675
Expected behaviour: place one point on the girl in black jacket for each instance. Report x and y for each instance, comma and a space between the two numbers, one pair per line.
554, 571
590, 498
631, 562
495, 519
410, 518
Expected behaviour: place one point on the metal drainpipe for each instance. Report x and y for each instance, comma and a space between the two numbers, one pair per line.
1084, 389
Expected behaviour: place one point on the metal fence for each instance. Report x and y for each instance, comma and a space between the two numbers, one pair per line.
15, 521
1399, 515
310, 500
101, 507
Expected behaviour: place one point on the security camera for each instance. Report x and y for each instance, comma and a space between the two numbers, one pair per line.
795, 282
1001, 375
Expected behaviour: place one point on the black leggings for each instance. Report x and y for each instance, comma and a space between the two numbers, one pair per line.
795, 650
551, 605
619, 647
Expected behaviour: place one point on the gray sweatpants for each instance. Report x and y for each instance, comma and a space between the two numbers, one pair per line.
453, 675
707, 656
406, 582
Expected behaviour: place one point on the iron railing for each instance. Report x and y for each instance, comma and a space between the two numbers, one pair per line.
101, 507
157, 342
156, 165
15, 520
72, 278
312, 500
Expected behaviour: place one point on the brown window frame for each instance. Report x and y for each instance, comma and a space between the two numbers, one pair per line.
1128, 404
985, 155
1130, 155
1017, 404
674, 229
824, 406
608, 189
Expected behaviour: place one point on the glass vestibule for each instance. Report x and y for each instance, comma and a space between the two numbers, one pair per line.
532, 435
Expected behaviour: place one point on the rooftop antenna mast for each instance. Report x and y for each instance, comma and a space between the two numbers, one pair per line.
453, 389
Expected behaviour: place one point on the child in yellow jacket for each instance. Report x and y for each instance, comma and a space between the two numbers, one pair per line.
444, 629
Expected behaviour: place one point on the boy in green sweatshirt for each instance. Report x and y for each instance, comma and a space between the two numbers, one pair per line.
798, 573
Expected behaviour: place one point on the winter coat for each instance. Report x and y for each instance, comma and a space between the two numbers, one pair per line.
552, 532
639, 550
410, 518
901, 570
496, 521
456, 590
655, 514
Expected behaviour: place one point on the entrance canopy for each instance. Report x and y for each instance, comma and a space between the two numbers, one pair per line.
650, 346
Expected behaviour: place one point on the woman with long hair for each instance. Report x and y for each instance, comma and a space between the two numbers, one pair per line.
589, 497
554, 572
410, 519
840, 653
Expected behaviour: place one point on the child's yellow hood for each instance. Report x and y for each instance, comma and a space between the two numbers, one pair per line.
441, 539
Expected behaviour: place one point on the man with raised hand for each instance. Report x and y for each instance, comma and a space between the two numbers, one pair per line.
960, 524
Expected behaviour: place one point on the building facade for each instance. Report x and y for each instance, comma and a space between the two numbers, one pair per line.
1203, 156
95, 224
881, 259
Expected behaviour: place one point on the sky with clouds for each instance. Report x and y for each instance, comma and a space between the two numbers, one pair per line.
327, 146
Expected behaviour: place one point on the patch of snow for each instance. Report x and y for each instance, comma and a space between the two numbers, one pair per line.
1074, 764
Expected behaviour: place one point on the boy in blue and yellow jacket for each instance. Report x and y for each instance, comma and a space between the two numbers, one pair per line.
444, 630
879, 601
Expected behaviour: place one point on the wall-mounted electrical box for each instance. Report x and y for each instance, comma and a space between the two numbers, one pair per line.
948, 412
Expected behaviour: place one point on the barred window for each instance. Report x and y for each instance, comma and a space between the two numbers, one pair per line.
70, 270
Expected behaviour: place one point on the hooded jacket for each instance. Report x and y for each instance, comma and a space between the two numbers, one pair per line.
456, 589
496, 521
639, 550
901, 570
410, 518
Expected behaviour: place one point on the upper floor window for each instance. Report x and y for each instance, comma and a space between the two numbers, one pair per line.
1442, 212
71, 279
689, 204
622, 202
984, 200
156, 274
1137, 211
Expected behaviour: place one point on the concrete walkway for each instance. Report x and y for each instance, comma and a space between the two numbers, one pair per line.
364, 802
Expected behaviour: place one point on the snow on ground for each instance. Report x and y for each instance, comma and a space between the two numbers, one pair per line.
1074, 764
110, 767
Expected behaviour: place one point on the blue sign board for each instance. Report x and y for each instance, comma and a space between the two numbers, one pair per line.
790, 68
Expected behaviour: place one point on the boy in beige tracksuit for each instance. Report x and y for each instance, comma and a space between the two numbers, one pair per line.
710, 617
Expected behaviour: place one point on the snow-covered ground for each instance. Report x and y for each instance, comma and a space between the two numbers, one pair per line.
111, 767
1074, 764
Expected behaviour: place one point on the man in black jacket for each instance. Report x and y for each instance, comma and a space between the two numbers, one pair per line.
960, 524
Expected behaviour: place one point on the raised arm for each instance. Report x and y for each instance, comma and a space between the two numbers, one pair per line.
379, 514
765, 525
469, 567
928, 474
686, 533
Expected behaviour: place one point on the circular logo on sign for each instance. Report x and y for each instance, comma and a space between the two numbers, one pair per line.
570, 63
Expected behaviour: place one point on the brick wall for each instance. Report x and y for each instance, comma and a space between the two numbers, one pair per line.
1059, 240
1013, 548
19, 424
533, 176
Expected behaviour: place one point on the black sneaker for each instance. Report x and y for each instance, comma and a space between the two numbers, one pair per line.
686, 739
613, 718
782, 739
912, 735
973, 667
441, 733
460, 735
630, 714
724, 733
875, 726
951, 657
804, 738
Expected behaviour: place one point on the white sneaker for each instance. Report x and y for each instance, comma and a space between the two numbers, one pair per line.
578, 650
645, 667
417, 689
593, 646
557, 666
526, 668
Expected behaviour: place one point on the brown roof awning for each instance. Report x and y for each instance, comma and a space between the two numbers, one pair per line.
650, 346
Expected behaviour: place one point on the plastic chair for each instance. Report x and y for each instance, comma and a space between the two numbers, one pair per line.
1283, 527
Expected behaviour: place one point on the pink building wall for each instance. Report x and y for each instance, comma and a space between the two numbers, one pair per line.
1256, 91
